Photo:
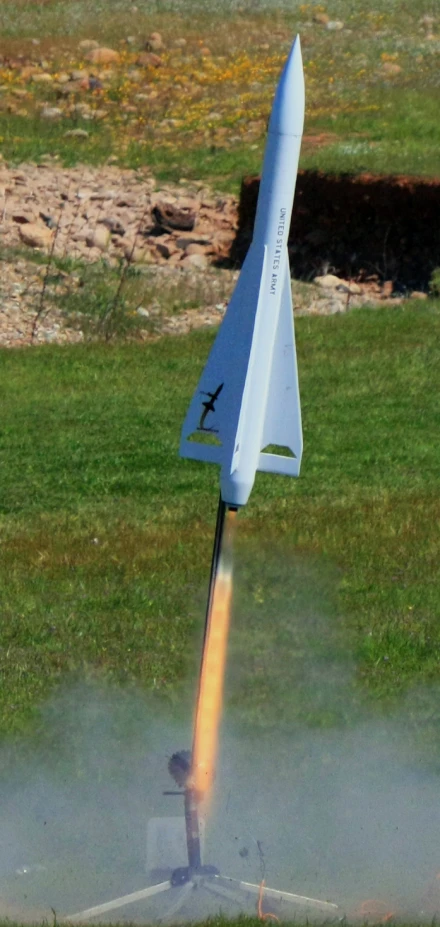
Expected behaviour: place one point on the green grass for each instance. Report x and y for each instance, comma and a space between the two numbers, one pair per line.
24, 139
106, 533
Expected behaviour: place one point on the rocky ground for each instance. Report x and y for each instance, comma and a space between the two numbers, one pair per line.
182, 233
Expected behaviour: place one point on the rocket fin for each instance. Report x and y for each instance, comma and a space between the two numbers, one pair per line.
282, 424
217, 402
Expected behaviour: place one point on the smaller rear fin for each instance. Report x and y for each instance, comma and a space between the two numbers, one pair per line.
282, 424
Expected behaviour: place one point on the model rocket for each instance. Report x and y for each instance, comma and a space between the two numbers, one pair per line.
245, 414
247, 402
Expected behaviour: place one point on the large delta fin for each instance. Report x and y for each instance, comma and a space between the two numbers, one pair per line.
210, 427
282, 423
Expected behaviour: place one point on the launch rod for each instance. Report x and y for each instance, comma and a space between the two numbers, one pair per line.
210, 686
216, 551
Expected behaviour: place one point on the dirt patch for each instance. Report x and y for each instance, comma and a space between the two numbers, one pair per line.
185, 242
362, 228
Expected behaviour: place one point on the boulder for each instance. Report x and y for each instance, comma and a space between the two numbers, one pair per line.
149, 60
154, 43
331, 282
199, 261
102, 55
172, 218
98, 238
51, 112
35, 235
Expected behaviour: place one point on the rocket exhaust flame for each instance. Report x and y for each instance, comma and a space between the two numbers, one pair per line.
210, 695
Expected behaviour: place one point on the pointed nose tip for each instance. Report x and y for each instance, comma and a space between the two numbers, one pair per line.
287, 117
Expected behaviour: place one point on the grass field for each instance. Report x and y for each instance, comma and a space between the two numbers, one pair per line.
371, 86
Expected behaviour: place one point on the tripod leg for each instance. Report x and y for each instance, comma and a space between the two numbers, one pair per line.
222, 892
118, 902
178, 903
277, 895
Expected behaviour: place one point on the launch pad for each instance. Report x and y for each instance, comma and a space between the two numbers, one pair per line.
187, 884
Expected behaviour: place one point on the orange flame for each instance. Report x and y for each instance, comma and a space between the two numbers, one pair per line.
209, 703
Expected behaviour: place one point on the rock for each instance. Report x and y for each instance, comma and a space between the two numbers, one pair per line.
42, 78
51, 112
79, 74
196, 248
35, 235
200, 261
27, 72
331, 282
137, 254
102, 55
103, 194
88, 44
22, 219
149, 60
125, 200
170, 217
76, 133
417, 294
135, 76
19, 177
154, 43
114, 226
98, 238
165, 249
328, 281
81, 109
48, 220
71, 86
390, 68
106, 74
321, 18
334, 25
387, 288
350, 287
143, 312
183, 242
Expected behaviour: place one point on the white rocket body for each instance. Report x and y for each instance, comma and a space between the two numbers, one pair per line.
248, 395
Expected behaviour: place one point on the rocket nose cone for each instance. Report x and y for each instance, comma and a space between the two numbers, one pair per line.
287, 117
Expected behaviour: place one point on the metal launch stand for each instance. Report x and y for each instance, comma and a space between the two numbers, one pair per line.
197, 876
